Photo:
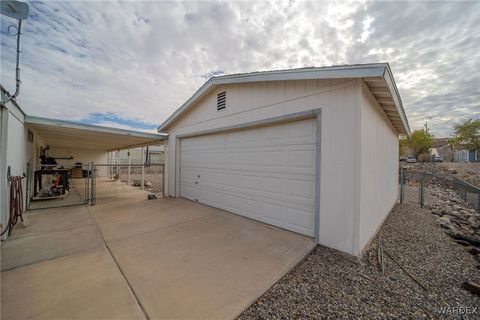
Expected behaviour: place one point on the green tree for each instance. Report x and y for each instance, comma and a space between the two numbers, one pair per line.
419, 142
466, 135
403, 147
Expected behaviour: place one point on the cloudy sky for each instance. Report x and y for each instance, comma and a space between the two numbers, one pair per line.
130, 64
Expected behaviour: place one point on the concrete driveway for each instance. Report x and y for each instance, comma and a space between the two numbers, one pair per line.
139, 259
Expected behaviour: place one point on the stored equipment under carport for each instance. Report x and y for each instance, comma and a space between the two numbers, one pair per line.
60, 181
46, 161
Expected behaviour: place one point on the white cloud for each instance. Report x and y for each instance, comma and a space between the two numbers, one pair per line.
141, 60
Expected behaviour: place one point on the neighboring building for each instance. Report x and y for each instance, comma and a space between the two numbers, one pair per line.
312, 150
467, 155
440, 147
445, 152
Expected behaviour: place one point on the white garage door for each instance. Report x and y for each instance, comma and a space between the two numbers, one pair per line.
267, 173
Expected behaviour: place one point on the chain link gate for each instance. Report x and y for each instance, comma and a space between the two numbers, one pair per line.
50, 186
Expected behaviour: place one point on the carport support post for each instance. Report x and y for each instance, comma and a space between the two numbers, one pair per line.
89, 183
117, 161
165, 169
128, 174
143, 171
109, 162
92, 176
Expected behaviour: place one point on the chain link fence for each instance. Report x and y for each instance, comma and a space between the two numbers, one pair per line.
53, 186
50, 187
424, 187
124, 181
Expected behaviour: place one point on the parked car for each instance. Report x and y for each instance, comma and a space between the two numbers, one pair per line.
410, 159
402, 159
438, 159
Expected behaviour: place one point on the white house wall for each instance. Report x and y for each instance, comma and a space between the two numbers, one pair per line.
13, 153
339, 101
379, 168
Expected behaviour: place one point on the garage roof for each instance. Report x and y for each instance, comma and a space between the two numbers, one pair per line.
62, 133
377, 76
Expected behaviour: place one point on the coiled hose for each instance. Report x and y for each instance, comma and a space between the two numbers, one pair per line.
16, 203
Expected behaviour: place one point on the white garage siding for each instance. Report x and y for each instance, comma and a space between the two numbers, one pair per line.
356, 170
379, 168
340, 102
265, 173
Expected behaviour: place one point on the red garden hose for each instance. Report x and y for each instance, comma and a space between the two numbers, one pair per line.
16, 203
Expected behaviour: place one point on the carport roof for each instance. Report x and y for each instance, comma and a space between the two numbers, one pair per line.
62, 133
377, 76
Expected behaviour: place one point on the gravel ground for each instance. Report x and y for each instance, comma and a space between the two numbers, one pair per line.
331, 285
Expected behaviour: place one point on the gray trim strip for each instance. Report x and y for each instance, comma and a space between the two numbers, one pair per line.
309, 114
178, 166
318, 171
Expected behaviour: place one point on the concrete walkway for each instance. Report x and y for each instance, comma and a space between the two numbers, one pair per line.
139, 259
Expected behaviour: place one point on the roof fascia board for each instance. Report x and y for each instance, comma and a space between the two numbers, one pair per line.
340, 72
91, 127
200, 92
304, 75
396, 98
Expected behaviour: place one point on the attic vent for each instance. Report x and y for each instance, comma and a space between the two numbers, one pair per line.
221, 100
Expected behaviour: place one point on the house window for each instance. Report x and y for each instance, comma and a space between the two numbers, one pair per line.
221, 100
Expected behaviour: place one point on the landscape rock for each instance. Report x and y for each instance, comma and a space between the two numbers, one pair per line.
472, 250
473, 240
327, 285
443, 220
463, 243
456, 217
446, 226
472, 286
437, 213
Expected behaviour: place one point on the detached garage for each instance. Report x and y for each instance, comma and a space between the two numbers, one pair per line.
312, 150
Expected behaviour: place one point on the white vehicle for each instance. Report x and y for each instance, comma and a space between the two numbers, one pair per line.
410, 159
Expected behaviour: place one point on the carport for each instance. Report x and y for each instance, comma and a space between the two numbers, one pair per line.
64, 157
